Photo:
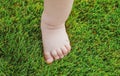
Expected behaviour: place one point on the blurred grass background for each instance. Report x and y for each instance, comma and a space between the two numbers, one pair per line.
93, 28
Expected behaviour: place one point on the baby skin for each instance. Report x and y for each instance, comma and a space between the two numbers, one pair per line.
56, 43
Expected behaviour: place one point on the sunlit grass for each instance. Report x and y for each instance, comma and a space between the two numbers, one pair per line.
93, 28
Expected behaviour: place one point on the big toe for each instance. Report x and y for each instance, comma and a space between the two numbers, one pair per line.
48, 57
50, 60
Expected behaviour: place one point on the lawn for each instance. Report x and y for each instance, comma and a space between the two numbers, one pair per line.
93, 28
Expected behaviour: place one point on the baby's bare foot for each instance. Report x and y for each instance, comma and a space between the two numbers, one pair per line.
55, 42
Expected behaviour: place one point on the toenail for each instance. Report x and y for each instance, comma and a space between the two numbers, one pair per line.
65, 54
62, 56
56, 59
49, 60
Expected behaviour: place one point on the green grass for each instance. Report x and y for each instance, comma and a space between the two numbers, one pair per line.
93, 28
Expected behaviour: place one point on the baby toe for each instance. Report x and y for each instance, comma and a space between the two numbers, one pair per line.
68, 47
64, 50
